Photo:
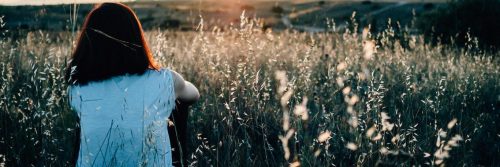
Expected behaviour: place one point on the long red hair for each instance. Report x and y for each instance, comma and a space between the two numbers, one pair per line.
111, 43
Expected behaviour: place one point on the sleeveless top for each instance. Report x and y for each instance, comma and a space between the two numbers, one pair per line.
123, 120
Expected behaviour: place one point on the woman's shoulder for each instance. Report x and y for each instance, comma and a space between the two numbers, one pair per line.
171, 75
161, 75
165, 72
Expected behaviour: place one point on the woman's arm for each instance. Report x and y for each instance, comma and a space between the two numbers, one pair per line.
184, 91
186, 94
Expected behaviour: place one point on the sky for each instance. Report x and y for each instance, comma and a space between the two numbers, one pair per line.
49, 2
52, 2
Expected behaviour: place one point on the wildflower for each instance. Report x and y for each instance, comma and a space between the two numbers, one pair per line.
341, 66
324, 136
352, 146
452, 123
368, 49
301, 110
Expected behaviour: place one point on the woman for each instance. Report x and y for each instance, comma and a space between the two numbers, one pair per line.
122, 97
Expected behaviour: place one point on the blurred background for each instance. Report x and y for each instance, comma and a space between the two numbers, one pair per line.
304, 15
440, 18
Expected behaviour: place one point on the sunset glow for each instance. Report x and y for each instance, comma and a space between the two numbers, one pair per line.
52, 2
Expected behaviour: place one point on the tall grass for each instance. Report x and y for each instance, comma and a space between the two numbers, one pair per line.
280, 98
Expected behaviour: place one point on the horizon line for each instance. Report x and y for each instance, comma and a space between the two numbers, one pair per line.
66, 2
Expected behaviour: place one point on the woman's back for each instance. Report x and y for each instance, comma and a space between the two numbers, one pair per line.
124, 119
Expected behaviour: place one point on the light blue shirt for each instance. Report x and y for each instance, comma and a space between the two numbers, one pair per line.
123, 120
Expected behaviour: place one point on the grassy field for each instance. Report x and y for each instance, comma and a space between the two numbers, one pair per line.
280, 98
